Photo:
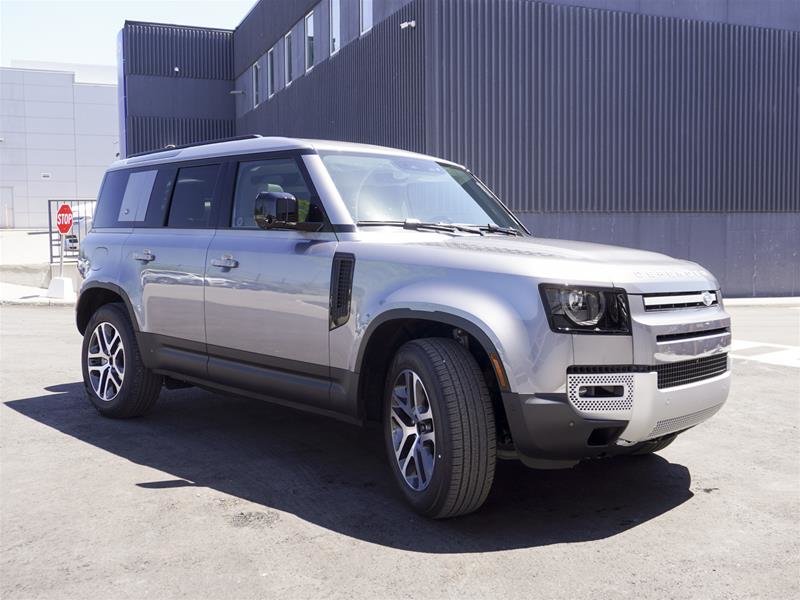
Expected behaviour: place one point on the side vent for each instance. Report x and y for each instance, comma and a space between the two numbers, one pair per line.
341, 288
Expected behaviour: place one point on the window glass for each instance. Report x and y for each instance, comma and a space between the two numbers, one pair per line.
309, 41
288, 57
366, 15
256, 85
395, 188
270, 72
193, 199
272, 175
137, 196
109, 200
159, 199
336, 25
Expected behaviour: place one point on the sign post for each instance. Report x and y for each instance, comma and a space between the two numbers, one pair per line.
61, 287
64, 224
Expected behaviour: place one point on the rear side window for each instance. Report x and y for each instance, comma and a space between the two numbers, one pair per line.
110, 199
193, 198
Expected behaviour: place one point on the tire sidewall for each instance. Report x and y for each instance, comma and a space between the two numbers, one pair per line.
113, 314
412, 357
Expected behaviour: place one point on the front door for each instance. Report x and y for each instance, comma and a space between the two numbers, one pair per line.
268, 291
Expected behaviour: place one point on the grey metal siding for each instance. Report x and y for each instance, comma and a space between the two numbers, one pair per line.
162, 105
372, 90
149, 133
267, 22
573, 109
153, 49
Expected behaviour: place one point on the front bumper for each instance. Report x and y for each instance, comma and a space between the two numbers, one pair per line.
559, 429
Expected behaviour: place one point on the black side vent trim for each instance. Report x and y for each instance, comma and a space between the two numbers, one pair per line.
341, 288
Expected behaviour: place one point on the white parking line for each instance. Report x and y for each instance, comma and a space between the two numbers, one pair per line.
783, 355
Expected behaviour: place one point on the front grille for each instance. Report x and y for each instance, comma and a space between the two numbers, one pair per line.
689, 371
672, 301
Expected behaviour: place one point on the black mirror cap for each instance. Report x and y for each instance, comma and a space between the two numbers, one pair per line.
275, 209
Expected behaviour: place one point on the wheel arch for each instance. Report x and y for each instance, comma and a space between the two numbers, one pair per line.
391, 329
98, 294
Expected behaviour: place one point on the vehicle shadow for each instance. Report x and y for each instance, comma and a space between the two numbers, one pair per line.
335, 475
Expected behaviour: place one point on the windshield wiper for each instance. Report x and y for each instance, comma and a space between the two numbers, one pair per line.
415, 224
491, 228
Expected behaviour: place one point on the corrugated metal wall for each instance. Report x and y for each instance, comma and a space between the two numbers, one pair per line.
149, 133
373, 90
166, 106
572, 109
153, 49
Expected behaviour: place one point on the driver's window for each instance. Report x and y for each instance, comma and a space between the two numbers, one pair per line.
272, 175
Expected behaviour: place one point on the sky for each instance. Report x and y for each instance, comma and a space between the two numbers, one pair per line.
85, 31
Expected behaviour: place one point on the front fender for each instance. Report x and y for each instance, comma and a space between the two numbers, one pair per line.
505, 315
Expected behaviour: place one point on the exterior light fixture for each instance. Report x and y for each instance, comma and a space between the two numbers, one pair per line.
405, 24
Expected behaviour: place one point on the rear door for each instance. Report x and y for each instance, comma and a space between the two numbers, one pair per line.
268, 291
168, 253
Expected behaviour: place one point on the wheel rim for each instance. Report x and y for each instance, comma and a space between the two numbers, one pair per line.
106, 361
413, 431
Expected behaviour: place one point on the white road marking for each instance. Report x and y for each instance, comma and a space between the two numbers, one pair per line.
783, 356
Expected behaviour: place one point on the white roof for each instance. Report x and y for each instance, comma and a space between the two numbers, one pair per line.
256, 145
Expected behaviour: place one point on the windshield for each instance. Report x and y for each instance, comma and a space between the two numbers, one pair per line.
390, 188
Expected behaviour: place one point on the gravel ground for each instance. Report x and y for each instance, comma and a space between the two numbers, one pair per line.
212, 497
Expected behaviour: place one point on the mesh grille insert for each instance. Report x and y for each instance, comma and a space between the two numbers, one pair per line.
689, 371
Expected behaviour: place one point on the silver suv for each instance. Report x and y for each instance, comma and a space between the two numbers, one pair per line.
372, 284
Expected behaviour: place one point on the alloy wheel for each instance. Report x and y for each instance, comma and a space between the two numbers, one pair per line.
106, 361
413, 432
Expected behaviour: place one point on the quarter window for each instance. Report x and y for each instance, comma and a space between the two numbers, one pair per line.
287, 40
134, 198
309, 41
366, 15
193, 199
272, 175
336, 26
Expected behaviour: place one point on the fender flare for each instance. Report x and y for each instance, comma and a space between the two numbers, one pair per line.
111, 287
435, 316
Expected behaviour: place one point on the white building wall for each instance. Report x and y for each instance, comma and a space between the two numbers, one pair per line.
56, 139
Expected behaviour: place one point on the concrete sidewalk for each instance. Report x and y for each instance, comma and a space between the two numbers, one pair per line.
11, 294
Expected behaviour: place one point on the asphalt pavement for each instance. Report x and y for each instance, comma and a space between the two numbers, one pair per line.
217, 497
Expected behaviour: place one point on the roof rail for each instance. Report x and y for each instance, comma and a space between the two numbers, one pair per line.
249, 136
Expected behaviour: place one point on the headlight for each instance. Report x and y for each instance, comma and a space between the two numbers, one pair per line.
583, 309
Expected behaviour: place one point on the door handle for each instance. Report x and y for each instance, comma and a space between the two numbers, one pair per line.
226, 262
145, 256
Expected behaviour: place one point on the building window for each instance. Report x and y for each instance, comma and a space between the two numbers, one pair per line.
287, 54
366, 15
256, 85
271, 72
309, 41
336, 25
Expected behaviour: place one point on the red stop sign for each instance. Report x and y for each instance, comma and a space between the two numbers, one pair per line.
64, 219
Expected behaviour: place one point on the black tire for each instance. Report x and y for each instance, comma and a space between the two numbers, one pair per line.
464, 427
139, 389
653, 446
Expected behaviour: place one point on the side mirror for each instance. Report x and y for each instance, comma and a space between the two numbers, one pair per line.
276, 210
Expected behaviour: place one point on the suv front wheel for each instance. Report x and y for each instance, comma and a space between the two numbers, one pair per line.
116, 381
439, 428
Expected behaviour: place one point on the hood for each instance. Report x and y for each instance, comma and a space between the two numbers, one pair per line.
563, 261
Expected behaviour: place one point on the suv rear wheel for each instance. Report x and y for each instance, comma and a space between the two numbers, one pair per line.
116, 380
439, 428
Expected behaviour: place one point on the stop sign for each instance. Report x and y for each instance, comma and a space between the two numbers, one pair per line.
64, 219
